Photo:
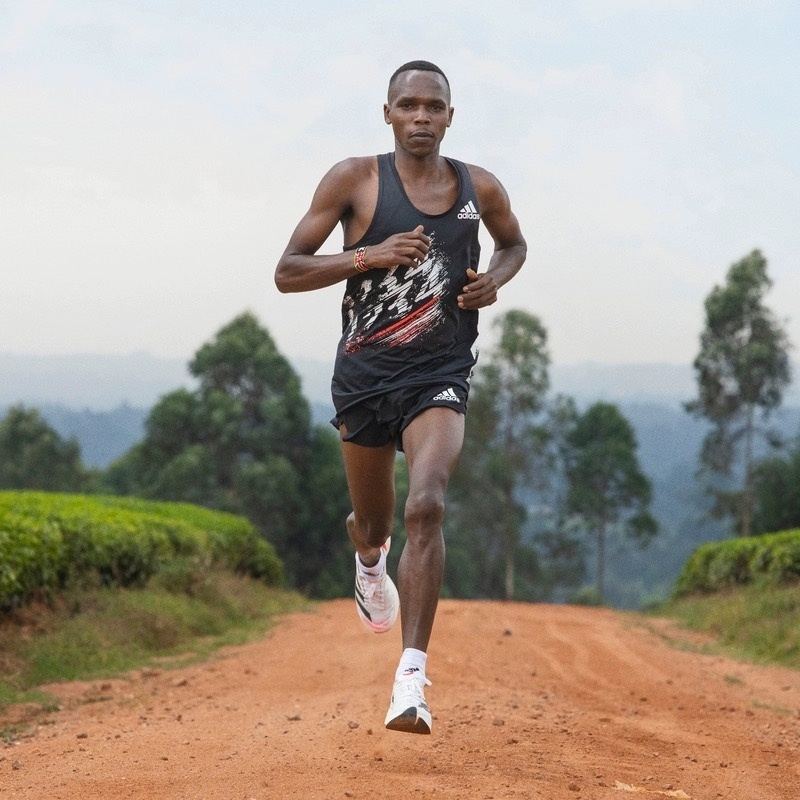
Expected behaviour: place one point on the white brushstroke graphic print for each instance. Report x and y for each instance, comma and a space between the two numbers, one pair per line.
403, 306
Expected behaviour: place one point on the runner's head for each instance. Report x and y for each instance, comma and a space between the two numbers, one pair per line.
421, 66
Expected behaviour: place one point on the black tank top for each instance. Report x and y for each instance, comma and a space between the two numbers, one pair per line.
402, 327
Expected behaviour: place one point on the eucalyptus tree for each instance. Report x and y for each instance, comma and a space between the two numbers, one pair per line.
504, 451
606, 484
742, 370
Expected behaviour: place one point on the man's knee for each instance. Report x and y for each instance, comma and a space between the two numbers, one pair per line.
424, 511
373, 531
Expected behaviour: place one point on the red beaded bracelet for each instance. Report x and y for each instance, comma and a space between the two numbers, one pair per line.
358, 259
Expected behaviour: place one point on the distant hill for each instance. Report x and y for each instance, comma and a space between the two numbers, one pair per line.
104, 382
670, 384
96, 382
103, 400
103, 435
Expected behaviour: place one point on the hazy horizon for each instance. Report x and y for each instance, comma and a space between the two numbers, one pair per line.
107, 381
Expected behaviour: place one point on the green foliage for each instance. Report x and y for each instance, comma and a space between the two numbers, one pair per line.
606, 484
34, 456
48, 541
586, 596
31, 557
772, 559
102, 632
757, 622
742, 368
243, 442
505, 452
776, 487
322, 560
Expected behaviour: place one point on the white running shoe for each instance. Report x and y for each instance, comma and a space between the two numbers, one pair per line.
377, 600
408, 711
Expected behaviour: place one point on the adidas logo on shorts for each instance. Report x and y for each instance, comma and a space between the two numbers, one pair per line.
447, 394
469, 212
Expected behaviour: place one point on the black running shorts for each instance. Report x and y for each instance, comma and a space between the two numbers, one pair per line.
381, 419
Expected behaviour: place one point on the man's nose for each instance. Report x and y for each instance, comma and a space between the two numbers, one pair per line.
422, 115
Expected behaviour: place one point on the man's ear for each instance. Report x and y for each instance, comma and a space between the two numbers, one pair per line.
386, 114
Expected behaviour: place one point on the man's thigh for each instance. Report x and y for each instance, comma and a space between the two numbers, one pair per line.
432, 443
370, 479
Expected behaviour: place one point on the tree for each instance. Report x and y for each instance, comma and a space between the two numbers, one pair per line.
742, 368
776, 490
243, 441
606, 484
557, 534
505, 443
34, 456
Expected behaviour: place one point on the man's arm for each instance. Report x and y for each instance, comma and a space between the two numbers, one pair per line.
339, 195
299, 269
510, 248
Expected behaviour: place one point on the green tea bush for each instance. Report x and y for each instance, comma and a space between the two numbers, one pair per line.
230, 540
47, 540
771, 558
31, 560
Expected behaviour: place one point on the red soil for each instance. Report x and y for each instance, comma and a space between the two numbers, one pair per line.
529, 701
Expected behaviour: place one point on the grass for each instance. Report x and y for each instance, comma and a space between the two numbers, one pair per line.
102, 633
754, 623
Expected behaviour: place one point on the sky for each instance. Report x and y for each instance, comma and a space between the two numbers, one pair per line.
155, 157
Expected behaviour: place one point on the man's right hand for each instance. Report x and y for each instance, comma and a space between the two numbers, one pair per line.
401, 250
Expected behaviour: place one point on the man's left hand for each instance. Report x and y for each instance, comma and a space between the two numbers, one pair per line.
480, 291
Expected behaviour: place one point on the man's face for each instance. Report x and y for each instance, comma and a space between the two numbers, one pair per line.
418, 109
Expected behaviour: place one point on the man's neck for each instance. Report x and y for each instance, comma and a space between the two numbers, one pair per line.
419, 166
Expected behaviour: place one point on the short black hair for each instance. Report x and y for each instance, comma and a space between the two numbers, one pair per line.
424, 66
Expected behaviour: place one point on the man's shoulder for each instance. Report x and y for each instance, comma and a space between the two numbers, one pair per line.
479, 174
355, 165
486, 184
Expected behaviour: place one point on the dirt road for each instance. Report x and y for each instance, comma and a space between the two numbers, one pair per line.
529, 701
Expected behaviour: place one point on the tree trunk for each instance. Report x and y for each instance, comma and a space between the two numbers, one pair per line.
747, 494
509, 572
510, 543
601, 560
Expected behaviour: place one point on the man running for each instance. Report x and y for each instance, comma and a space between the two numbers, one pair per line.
410, 223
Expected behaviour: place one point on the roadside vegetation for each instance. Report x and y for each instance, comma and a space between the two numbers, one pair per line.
756, 623
745, 592
50, 542
104, 632
91, 587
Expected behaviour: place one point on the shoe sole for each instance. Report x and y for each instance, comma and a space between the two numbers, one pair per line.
409, 722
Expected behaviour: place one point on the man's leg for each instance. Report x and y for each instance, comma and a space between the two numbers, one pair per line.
370, 476
370, 480
432, 443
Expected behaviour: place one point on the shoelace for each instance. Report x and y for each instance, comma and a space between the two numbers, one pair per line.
371, 586
409, 688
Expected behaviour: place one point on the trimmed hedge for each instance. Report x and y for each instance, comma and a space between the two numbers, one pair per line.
773, 558
47, 540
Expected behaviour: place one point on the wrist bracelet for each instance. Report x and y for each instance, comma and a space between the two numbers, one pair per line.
358, 259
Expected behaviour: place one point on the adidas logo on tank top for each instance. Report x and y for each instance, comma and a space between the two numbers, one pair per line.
469, 212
